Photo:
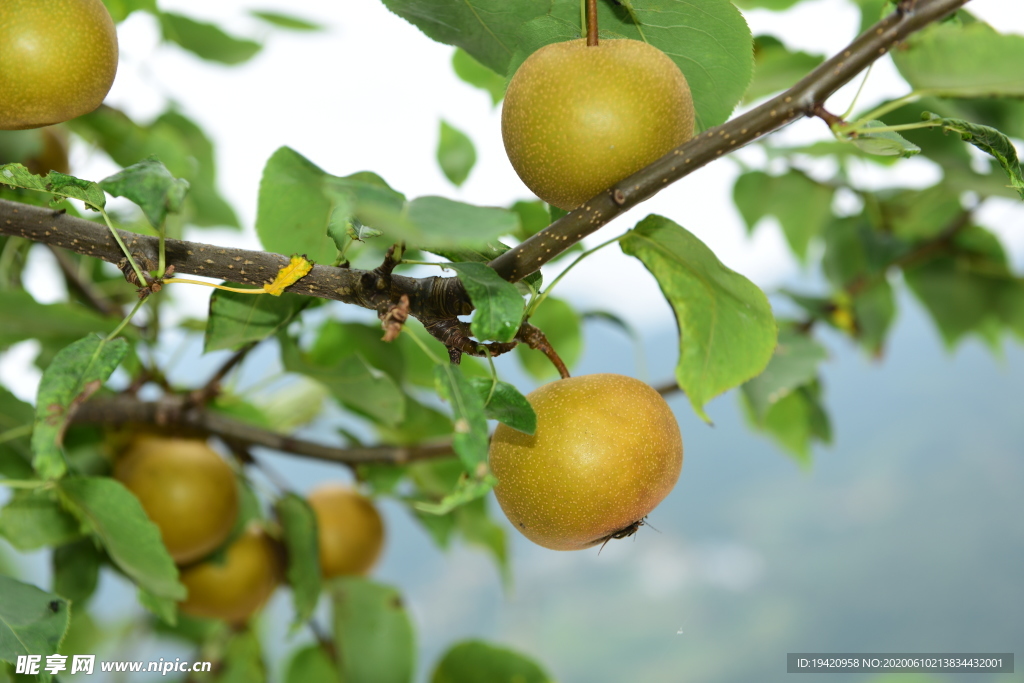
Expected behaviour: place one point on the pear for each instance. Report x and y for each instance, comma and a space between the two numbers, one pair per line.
606, 451
577, 119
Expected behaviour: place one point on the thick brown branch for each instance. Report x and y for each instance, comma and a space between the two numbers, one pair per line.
797, 102
374, 289
177, 411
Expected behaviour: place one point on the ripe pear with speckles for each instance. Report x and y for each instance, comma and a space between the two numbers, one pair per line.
577, 119
57, 60
606, 451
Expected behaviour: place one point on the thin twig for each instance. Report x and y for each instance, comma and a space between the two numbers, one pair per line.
176, 410
535, 339
212, 386
591, 23
666, 388
95, 298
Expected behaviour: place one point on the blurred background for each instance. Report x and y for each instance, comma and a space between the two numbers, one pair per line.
904, 536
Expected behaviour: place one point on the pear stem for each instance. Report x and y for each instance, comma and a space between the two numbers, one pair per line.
591, 23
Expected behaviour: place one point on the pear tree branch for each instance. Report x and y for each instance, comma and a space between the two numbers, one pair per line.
376, 289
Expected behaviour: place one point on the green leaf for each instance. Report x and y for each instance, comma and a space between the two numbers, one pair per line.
469, 422
164, 609
16, 175
969, 289
436, 221
337, 340
777, 68
120, 9
243, 660
132, 541
311, 665
294, 405
298, 522
301, 207
448, 501
794, 364
534, 216
486, 29
855, 250
440, 528
874, 312
884, 143
990, 141
76, 373
795, 422
616, 321
178, 142
352, 381
951, 59
296, 204
30, 521
455, 154
504, 403
485, 253
562, 326
382, 478
475, 661
239, 319
286, 21
920, 214
871, 11
58, 184
709, 41
361, 233
476, 74
772, 5
206, 41
802, 206
150, 185
238, 408
32, 621
370, 619
15, 418
59, 324
420, 424
726, 328
193, 630
499, 305
467, 489
75, 188
479, 529
76, 570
